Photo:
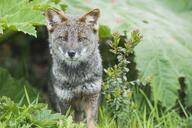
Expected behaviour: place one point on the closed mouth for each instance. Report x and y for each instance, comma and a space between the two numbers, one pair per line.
72, 59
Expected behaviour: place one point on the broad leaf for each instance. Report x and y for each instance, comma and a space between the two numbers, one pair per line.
19, 15
15, 88
165, 53
22, 15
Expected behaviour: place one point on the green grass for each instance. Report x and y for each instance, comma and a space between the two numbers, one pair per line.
114, 112
148, 115
32, 115
37, 115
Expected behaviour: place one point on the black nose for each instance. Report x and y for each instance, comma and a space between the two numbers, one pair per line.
71, 54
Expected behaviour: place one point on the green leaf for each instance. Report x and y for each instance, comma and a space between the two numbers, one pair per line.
19, 15
45, 4
163, 57
23, 15
166, 50
180, 5
15, 88
35, 115
104, 31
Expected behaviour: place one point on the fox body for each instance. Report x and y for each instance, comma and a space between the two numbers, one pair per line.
76, 73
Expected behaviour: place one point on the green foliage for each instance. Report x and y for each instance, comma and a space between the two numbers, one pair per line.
152, 118
15, 88
163, 56
22, 15
19, 15
105, 119
104, 31
116, 88
149, 117
157, 57
180, 5
37, 115
34, 115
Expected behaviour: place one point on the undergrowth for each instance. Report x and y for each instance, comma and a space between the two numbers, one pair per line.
117, 110
32, 115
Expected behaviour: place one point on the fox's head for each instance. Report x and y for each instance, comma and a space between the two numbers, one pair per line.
72, 38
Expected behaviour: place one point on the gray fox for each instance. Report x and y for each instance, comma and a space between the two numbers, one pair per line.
76, 73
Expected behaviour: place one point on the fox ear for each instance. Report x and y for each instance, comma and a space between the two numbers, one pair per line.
91, 18
54, 17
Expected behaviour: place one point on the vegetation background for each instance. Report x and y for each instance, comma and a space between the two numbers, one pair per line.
147, 55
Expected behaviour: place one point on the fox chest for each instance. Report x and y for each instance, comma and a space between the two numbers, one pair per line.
67, 93
71, 83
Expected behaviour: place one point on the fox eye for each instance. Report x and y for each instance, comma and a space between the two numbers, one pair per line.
82, 39
63, 38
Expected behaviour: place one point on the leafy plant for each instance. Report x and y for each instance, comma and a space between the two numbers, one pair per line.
116, 88
23, 15
34, 115
162, 59
15, 88
164, 54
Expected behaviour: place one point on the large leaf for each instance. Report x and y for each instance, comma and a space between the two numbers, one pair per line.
165, 53
15, 88
22, 15
19, 15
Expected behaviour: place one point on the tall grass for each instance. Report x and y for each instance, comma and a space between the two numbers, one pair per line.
149, 116
37, 115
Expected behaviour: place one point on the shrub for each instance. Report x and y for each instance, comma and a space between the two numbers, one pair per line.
116, 88
33, 115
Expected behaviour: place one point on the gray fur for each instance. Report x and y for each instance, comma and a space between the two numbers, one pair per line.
75, 82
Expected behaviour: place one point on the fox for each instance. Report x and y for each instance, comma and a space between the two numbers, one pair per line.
76, 70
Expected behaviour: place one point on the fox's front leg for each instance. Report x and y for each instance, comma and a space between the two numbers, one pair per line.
91, 109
